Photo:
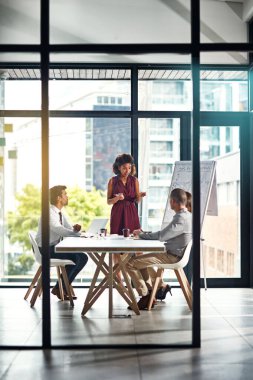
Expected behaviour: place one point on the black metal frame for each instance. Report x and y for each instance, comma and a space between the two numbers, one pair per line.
193, 49
251, 197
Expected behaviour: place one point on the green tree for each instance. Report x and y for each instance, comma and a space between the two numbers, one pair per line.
25, 217
20, 265
83, 207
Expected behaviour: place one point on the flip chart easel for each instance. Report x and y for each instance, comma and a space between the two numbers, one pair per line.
182, 178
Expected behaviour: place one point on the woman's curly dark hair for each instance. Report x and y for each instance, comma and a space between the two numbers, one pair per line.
121, 160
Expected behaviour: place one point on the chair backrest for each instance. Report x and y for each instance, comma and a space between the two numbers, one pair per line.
184, 261
35, 247
96, 224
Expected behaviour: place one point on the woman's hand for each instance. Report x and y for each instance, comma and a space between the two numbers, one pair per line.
120, 196
143, 194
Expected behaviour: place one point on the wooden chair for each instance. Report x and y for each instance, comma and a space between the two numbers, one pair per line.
182, 279
37, 280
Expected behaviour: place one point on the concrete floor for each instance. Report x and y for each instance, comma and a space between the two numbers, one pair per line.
226, 352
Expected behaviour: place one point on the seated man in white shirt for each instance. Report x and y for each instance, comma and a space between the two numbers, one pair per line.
60, 227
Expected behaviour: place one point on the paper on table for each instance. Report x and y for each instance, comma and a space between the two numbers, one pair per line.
116, 237
86, 235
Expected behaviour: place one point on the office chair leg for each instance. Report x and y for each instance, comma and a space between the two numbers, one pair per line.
154, 290
36, 292
33, 283
185, 286
66, 283
60, 283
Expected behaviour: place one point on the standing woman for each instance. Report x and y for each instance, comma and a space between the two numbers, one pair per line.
123, 192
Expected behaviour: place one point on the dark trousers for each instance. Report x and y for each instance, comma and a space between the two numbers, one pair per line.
80, 259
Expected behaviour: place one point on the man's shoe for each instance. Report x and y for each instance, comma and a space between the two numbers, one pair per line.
66, 297
162, 292
56, 292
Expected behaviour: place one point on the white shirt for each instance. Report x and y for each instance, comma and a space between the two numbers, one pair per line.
57, 230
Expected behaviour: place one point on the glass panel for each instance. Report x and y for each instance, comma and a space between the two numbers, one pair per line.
20, 171
122, 21
21, 94
214, 29
20, 73
164, 90
107, 95
20, 22
159, 143
19, 57
224, 91
221, 245
159, 149
82, 152
121, 58
224, 58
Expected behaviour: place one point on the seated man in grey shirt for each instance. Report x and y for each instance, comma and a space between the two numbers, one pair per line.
176, 236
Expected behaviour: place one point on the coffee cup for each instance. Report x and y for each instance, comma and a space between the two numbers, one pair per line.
126, 232
103, 231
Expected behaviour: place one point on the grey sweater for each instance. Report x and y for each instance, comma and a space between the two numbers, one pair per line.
176, 234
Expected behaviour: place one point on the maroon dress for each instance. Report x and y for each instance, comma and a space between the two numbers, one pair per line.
124, 213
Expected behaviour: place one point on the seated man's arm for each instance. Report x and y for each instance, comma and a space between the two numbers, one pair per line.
64, 229
150, 235
175, 228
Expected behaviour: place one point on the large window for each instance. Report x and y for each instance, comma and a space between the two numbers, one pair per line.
81, 157
82, 149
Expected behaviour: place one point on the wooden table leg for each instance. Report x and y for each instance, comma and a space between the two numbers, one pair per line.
126, 293
116, 282
131, 297
110, 280
94, 292
110, 283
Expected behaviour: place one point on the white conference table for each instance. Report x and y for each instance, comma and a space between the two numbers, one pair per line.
98, 249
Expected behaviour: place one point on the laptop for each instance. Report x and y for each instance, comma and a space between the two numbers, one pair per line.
95, 227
